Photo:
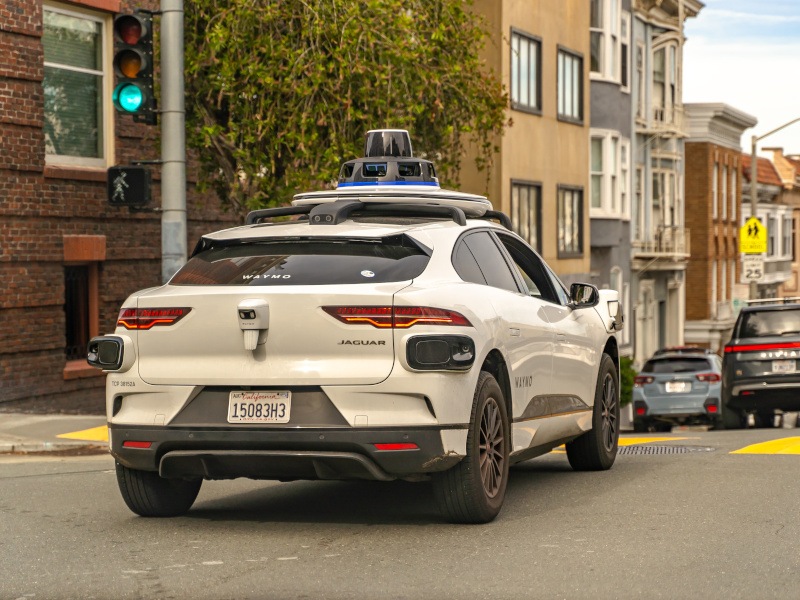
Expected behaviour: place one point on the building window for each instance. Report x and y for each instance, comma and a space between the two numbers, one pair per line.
609, 29
526, 202
725, 192
76, 310
734, 199
665, 75
609, 172
772, 236
638, 183
640, 99
75, 88
787, 237
713, 288
525, 72
624, 170
714, 191
570, 222
624, 51
733, 275
723, 281
570, 86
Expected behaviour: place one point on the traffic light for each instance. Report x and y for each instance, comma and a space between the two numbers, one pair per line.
133, 65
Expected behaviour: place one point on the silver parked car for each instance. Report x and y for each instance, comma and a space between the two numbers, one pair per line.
677, 386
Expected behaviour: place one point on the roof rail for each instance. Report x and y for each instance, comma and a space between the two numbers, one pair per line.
499, 216
333, 213
786, 300
255, 216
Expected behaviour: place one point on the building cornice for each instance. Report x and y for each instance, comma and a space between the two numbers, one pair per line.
717, 123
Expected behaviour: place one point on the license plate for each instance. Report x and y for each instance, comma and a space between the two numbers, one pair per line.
678, 386
259, 407
783, 366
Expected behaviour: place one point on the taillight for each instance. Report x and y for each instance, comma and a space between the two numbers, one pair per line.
145, 318
641, 380
397, 446
398, 317
760, 347
708, 377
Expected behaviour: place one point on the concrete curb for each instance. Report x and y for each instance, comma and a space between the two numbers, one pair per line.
36, 447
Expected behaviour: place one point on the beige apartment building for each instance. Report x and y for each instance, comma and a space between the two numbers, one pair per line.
540, 176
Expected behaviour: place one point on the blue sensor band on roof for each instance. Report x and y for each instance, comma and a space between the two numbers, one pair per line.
373, 183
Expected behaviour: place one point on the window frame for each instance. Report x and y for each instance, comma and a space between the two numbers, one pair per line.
561, 91
106, 76
537, 213
613, 32
532, 262
614, 194
515, 103
561, 193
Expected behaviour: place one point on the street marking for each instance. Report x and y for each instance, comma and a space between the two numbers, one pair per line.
631, 441
95, 434
789, 445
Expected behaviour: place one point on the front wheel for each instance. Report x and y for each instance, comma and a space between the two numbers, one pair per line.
596, 449
150, 495
474, 489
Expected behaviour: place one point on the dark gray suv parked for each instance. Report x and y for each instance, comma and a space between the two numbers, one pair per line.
760, 365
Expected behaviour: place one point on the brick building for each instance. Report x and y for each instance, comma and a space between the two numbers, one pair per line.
67, 258
713, 215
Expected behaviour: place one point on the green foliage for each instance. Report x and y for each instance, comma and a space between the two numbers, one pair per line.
279, 93
626, 375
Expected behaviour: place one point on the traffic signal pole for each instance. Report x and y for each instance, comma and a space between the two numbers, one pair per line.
173, 141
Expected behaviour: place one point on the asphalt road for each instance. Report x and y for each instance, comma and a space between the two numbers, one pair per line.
703, 523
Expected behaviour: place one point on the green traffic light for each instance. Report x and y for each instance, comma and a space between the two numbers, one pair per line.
128, 97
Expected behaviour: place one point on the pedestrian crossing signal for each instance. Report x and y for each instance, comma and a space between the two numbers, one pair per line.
128, 186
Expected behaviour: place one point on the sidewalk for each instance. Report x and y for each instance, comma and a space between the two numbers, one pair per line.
20, 432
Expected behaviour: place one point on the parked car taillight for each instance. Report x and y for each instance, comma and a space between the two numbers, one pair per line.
398, 317
708, 377
711, 406
641, 380
145, 318
760, 347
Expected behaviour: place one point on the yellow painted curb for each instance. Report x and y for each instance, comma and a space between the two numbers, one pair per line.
789, 445
95, 434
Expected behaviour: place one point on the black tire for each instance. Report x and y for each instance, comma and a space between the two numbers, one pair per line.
474, 489
731, 418
150, 495
596, 449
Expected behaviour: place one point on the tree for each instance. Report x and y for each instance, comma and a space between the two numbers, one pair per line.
281, 92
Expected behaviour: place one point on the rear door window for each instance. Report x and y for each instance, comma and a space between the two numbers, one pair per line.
770, 323
676, 365
306, 262
493, 266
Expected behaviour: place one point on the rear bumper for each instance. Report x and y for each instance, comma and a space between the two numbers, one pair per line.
757, 395
285, 453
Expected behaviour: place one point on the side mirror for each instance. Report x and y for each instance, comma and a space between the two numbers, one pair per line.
583, 295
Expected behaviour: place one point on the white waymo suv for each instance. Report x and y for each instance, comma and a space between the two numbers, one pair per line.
389, 330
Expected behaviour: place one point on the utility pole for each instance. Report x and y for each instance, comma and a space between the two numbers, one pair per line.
754, 185
173, 141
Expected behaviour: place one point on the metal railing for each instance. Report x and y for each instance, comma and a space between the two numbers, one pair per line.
669, 241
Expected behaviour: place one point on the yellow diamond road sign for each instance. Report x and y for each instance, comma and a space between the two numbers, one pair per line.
753, 237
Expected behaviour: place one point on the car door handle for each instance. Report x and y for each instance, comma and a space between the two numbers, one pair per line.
514, 332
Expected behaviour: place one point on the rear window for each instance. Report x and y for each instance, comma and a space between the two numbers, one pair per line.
676, 365
770, 323
305, 262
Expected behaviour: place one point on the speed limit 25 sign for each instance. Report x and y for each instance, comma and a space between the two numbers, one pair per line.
752, 267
